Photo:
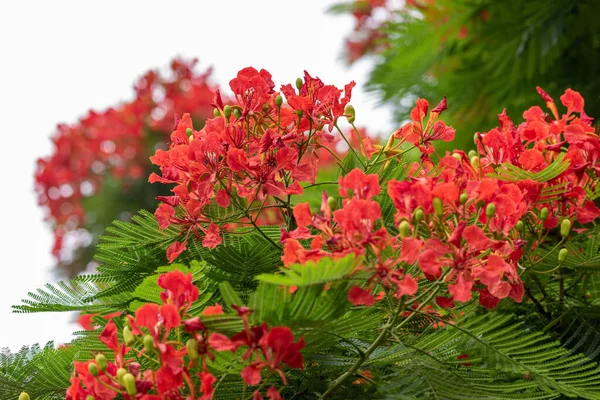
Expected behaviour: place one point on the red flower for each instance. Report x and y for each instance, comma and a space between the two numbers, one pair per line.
179, 289
278, 347
363, 186
109, 336
252, 89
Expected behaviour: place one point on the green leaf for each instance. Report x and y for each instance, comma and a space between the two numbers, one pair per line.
313, 273
511, 173
229, 295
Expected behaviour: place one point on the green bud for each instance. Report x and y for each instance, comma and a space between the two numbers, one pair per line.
93, 369
520, 226
299, 83
463, 198
419, 215
129, 383
438, 207
128, 336
472, 153
299, 113
237, 113
475, 161
544, 214
90, 397
278, 101
332, 203
490, 210
216, 112
475, 138
148, 343
227, 111
120, 373
457, 156
404, 229
565, 228
350, 112
101, 361
192, 349
562, 255
265, 107
24, 396
189, 131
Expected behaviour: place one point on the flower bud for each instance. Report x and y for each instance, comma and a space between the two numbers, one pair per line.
438, 207
227, 111
101, 361
562, 255
237, 113
24, 396
544, 214
189, 131
299, 83
299, 113
490, 210
475, 162
350, 112
419, 215
519, 226
90, 397
463, 198
148, 343
472, 153
565, 228
192, 349
216, 112
93, 369
120, 373
128, 336
129, 383
265, 107
404, 229
332, 203
457, 156
475, 138
278, 101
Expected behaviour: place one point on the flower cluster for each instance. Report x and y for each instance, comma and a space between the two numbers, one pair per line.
464, 220
112, 144
251, 157
155, 361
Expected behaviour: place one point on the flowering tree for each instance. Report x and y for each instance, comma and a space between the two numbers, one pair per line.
98, 170
444, 277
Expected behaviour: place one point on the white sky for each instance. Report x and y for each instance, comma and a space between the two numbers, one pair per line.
58, 59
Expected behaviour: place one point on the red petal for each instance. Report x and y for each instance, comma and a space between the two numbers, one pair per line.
175, 250
251, 374
358, 296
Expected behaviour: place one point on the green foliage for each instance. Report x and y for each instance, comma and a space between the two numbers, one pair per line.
498, 64
510, 173
507, 358
313, 273
43, 372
